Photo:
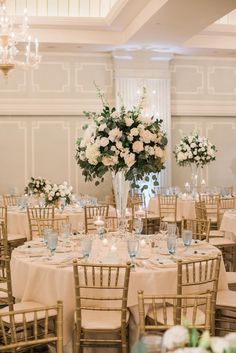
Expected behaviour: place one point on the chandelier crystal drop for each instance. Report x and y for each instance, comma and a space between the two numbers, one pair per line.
11, 35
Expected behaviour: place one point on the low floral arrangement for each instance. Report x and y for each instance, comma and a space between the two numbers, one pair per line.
122, 141
194, 149
36, 186
53, 193
187, 340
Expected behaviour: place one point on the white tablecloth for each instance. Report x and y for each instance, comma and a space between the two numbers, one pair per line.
228, 224
35, 279
185, 208
17, 221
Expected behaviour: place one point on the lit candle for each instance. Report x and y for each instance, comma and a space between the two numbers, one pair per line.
142, 243
113, 248
99, 223
104, 241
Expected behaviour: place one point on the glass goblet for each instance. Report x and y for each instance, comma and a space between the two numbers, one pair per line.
171, 244
133, 247
187, 238
52, 241
86, 247
163, 228
138, 225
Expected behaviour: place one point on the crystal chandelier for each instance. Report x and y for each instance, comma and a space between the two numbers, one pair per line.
10, 37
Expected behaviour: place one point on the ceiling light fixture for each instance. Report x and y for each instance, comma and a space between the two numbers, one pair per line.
10, 36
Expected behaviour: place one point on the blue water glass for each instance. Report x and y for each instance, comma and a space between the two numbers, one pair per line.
171, 244
52, 242
133, 247
46, 231
65, 231
86, 247
171, 228
187, 237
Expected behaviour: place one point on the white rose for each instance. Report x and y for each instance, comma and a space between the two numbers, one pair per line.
177, 336
197, 158
128, 121
130, 138
137, 146
119, 145
158, 152
129, 159
146, 135
102, 127
114, 134
115, 115
104, 141
218, 344
107, 161
193, 145
134, 132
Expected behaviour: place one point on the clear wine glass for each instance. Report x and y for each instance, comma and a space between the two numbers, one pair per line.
187, 238
138, 225
133, 247
52, 240
163, 229
171, 244
65, 232
86, 247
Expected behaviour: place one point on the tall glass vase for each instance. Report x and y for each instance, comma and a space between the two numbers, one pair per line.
121, 190
195, 180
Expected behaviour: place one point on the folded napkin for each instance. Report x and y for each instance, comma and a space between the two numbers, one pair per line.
32, 251
58, 259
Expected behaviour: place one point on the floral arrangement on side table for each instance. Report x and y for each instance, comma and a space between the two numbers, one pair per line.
122, 141
194, 149
51, 192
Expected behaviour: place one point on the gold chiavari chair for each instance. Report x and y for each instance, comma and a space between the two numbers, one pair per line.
7, 299
3, 214
168, 208
200, 228
9, 242
212, 208
225, 204
6, 296
55, 224
36, 213
10, 200
90, 212
101, 305
199, 276
22, 329
225, 312
168, 310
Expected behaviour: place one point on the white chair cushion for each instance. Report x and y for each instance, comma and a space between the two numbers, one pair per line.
12, 237
29, 316
221, 242
216, 233
200, 317
226, 298
107, 320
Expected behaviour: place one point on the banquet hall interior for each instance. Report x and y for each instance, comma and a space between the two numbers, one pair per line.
118, 175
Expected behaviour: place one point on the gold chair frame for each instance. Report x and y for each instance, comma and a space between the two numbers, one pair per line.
101, 289
161, 306
36, 213
199, 227
30, 333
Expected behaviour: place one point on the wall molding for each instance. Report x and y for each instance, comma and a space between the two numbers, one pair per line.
203, 108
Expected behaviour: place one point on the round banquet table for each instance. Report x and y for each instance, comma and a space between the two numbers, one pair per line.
228, 224
38, 277
185, 208
17, 220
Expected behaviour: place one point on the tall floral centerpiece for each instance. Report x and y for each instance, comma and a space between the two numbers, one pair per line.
129, 144
195, 151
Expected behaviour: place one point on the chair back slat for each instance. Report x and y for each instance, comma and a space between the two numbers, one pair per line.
35, 214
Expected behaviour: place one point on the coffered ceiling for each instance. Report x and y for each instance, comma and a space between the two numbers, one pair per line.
163, 26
